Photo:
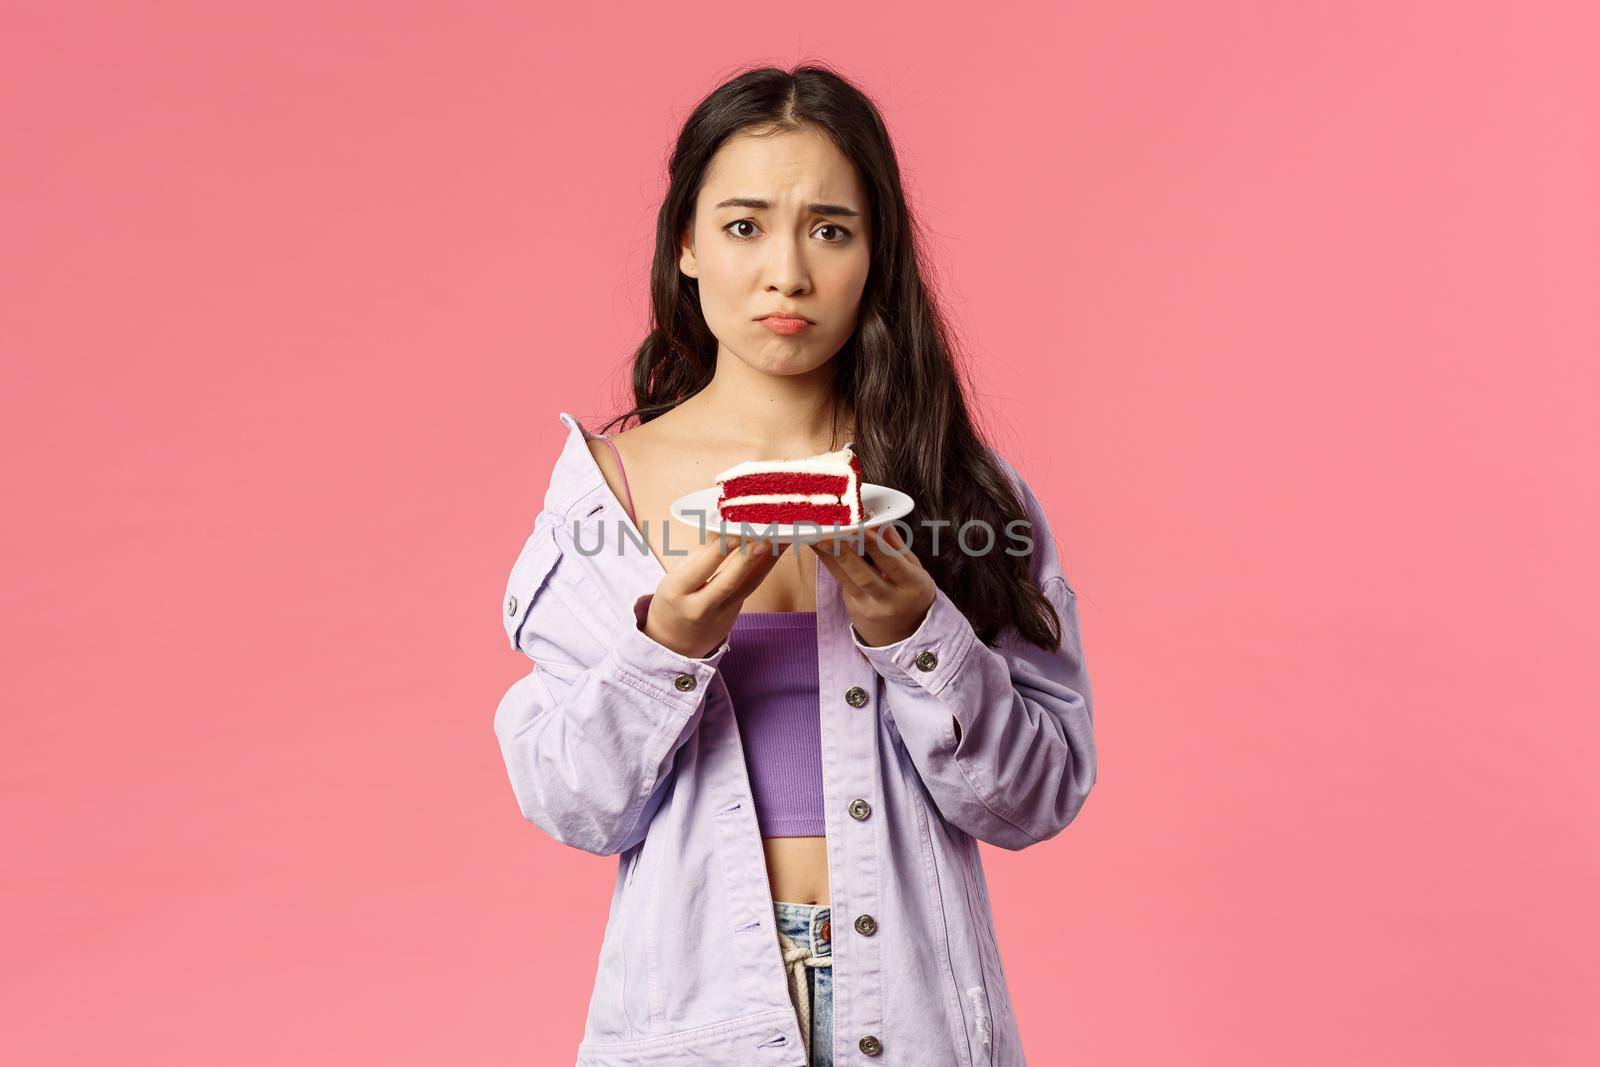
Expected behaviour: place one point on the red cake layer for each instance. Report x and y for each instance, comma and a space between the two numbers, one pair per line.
784, 482
825, 514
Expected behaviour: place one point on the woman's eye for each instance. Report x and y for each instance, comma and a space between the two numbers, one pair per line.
843, 234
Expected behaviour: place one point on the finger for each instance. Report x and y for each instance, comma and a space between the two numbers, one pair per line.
889, 552
828, 560
839, 543
703, 561
753, 578
847, 565
741, 560
745, 582
858, 566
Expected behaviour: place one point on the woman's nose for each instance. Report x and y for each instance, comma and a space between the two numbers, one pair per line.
786, 269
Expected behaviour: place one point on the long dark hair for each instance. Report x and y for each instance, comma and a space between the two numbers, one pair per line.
896, 374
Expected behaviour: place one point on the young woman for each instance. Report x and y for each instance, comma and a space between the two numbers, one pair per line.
770, 736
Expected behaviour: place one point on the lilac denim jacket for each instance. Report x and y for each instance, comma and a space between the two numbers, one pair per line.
620, 746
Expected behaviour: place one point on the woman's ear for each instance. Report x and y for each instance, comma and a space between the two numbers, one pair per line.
686, 261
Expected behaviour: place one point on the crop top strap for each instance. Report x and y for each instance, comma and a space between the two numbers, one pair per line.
606, 438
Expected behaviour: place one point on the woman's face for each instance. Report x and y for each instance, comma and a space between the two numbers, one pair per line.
780, 225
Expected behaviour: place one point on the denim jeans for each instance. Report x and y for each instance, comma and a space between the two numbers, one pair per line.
805, 937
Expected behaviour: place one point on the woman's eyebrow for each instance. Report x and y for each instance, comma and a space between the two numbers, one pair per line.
762, 205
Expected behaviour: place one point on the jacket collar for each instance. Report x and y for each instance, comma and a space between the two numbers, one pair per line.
576, 474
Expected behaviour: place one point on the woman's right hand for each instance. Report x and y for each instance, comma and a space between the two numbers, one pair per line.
696, 603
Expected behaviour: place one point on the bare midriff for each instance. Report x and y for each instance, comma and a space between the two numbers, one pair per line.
797, 868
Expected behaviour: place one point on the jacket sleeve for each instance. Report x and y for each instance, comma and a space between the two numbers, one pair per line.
591, 733
1025, 759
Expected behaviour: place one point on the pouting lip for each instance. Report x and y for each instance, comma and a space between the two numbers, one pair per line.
784, 315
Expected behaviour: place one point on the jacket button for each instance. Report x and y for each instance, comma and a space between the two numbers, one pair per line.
926, 660
855, 696
870, 1045
511, 606
860, 809
684, 682
866, 924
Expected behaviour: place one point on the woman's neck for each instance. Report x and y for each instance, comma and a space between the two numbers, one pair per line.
781, 415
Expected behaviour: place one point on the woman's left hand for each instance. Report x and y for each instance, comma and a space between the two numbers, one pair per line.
886, 591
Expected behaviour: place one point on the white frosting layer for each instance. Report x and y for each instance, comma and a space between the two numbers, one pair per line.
781, 498
824, 463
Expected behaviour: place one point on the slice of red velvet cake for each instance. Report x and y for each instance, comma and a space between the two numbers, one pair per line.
824, 489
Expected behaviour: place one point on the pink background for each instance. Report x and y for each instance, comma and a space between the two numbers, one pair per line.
1287, 314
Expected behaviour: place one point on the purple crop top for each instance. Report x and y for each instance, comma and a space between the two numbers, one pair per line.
772, 675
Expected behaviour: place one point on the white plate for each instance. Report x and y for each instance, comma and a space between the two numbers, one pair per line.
879, 504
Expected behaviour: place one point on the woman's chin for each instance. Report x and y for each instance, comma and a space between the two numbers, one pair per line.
783, 361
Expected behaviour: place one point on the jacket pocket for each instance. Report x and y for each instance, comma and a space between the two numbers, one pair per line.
527, 577
728, 1041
